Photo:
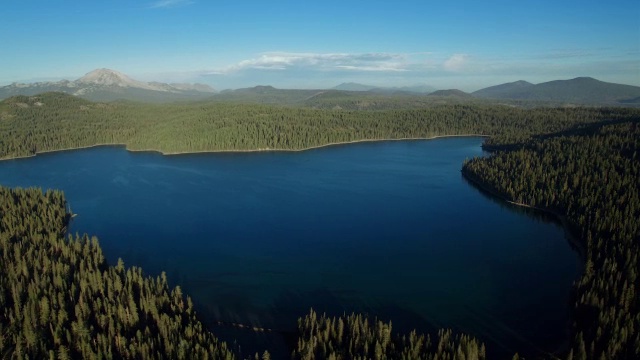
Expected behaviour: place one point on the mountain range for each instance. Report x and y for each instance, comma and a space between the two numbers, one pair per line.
418, 89
110, 85
581, 90
578, 91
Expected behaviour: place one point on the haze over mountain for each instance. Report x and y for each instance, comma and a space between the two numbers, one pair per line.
351, 86
451, 93
502, 90
109, 85
581, 90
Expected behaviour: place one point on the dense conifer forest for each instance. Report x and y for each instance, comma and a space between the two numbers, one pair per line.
356, 337
591, 176
60, 299
56, 121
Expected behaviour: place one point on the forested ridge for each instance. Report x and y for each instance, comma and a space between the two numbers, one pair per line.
55, 121
592, 176
582, 162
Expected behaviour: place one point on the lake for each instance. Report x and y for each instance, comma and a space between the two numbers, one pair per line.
387, 228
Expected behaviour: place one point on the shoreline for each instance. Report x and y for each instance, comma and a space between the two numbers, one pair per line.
62, 150
238, 150
570, 229
570, 233
306, 148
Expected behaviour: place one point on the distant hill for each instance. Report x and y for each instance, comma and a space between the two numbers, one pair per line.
581, 90
267, 94
110, 85
451, 93
419, 89
351, 86
502, 90
259, 89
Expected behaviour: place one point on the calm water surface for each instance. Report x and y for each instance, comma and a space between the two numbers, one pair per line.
387, 228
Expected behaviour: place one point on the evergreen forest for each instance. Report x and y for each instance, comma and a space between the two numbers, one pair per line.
61, 299
590, 177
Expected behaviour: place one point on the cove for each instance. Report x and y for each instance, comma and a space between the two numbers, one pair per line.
386, 228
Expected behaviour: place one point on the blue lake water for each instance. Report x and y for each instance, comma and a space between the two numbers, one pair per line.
387, 228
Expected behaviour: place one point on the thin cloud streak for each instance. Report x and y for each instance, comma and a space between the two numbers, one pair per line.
320, 62
456, 63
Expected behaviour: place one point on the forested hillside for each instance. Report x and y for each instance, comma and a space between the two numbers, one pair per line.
592, 176
56, 121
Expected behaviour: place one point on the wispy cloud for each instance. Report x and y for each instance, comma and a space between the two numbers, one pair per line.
467, 71
277, 61
455, 63
170, 3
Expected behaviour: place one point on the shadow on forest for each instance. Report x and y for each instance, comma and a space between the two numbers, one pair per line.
574, 130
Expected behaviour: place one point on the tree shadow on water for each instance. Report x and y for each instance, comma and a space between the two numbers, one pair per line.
274, 327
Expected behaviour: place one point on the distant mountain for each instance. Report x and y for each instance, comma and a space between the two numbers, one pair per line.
581, 90
109, 85
351, 86
420, 89
451, 93
502, 90
259, 89
106, 77
192, 87
267, 94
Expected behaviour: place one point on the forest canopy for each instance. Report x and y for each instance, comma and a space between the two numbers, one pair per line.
55, 121
61, 298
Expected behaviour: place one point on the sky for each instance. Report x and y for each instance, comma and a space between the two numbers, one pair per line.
464, 44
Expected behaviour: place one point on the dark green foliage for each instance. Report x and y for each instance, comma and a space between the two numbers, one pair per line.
356, 337
60, 299
346, 100
57, 121
593, 177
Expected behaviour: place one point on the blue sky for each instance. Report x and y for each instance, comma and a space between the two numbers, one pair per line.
298, 44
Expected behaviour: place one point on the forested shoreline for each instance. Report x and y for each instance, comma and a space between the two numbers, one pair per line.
238, 151
55, 121
60, 299
582, 163
591, 176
